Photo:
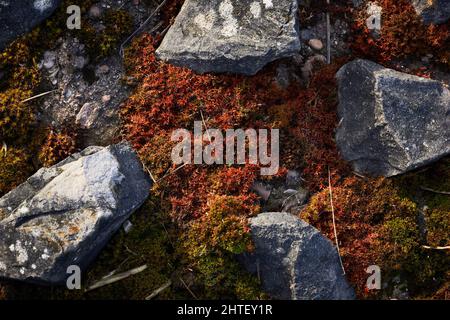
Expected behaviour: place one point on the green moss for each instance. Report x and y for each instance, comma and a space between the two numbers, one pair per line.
118, 24
210, 246
221, 277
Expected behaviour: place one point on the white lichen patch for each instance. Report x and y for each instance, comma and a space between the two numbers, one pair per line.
12, 248
230, 24
45, 255
268, 4
255, 10
23, 210
205, 21
42, 5
33, 266
2, 266
22, 255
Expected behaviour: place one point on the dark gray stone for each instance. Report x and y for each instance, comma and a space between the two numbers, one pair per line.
294, 260
65, 214
391, 122
236, 36
19, 17
436, 11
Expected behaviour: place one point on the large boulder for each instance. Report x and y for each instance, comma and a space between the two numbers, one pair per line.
436, 11
65, 214
391, 122
236, 36
295, 261
19, 17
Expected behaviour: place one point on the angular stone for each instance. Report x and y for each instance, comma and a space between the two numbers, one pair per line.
19, 17
391, 122
294, 260
65, 214
236, 36
436, 11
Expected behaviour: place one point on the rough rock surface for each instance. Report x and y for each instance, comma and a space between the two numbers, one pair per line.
65, 214
237, 36
391, 122
436, 11
294, 260
19, 17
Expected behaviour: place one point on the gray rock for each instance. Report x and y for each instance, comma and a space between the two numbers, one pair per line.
357, 3
19, 17
236, 36
391, 122
65, 214
436, 12
294, 260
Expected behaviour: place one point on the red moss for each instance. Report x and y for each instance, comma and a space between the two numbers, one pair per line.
57, 147
403, 34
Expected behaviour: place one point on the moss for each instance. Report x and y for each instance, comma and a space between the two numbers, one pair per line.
378, 224
57, 147
221, 277
100, 44
210, 245
15, 116
15, 168
403, 35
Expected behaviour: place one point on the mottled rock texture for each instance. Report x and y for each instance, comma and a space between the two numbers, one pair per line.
391, 122
435, 11
19, 17
236, 36
65, 214
295, 261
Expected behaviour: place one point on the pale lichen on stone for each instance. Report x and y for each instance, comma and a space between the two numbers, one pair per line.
42, 5
255, 9
231, 36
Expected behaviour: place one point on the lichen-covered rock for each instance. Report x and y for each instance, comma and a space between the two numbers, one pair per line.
19, 17
391, 122
295, 261
65, 214
236, 36
436, 11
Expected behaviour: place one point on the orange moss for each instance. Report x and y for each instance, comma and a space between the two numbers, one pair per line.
377, 225
57, 147
170, 98
403, 34
15, 168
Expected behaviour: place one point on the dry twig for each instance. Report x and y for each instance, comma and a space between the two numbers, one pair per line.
159, 290
328, 35
38, 96
435, 191
188, 289
436, 248
334, 220
139, 29
114, 278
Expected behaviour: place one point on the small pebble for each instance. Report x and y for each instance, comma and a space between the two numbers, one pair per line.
106, 98
127, 226
316, 44
103, 69
95, 12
